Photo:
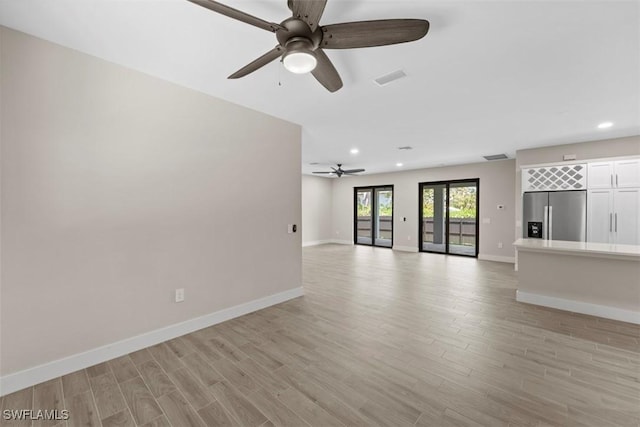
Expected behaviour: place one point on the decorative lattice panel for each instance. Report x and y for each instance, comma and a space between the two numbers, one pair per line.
554, 178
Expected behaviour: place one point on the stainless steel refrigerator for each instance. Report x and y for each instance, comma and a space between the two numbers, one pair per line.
555, 215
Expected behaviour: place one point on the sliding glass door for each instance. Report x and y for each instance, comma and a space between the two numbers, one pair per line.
449, 217
373, 216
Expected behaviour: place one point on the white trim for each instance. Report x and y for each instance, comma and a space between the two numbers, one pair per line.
405, 248
580, 307
315, 243
29, 377
579, 161
341, 242
497, 258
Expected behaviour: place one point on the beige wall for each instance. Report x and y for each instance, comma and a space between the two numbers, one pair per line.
618, 147
316, 209
496, 187
118, 188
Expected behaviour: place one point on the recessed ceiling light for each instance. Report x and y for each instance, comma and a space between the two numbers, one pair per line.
605, 125
399, 165
354, 151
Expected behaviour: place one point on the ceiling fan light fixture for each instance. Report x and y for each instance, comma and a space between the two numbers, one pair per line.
300, 62
299, 57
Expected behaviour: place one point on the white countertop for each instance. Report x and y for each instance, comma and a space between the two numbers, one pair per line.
579, 248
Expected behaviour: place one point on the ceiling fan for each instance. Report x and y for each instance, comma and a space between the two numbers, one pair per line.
339, 172
301, 39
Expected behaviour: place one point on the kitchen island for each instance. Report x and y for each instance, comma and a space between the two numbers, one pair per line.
590, 278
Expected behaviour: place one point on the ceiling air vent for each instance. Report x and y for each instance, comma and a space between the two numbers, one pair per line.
406, 147
496, 157
391, 77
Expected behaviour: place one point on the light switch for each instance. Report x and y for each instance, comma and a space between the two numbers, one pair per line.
180, 295
486, 220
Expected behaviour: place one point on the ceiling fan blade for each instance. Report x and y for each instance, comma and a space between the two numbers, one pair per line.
258, 63
323, 172
350, 171
373, 33
310, 11
237, 14
326, 73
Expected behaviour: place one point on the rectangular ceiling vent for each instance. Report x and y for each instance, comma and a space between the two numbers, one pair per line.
406, 147
496, 157
391, 77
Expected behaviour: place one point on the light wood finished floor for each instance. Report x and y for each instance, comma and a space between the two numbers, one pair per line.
380, 338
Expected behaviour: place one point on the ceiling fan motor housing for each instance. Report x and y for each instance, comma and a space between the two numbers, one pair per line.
296, 29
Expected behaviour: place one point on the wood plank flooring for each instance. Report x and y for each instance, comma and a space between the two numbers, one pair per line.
381, 338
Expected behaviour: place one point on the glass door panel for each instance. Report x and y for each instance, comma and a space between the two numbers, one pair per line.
383, 226
463, 215
434, 216
364, 216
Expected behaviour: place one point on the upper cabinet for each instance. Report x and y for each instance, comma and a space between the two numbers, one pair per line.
627, 173
600, 175
614, 174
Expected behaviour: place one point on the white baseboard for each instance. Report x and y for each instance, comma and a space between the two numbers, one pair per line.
315, 243
341, 242
405, 248
580, 307
497, 258
36, 375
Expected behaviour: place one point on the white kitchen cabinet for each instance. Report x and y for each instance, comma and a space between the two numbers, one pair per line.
600, 175
613, 216
626, 220
614, 174
600, 216
627, 173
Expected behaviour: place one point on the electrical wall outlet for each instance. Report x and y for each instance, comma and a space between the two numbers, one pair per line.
499, 245
408, 237
180, 295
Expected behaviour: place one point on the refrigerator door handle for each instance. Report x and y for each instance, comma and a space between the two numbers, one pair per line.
616, 180
616, 222
550, 222
545, 222
611, 180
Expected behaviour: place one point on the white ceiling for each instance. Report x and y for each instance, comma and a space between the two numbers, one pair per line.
490, 77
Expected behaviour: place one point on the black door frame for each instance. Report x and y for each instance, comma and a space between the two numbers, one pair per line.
374, 213
446, 231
